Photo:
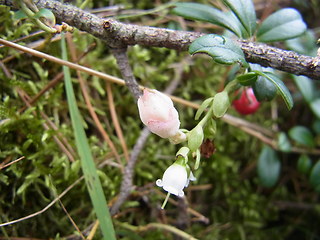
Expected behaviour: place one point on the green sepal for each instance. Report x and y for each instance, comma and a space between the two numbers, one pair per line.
221, 103
195, 138
203, 107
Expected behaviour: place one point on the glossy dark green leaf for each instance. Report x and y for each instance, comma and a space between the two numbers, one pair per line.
247, 79
315, 107
302, 135
201, 12
306, 87
237, 25
268, 167
264, 90
245, 12
284, 24
304, 44
315, 176
284, 143
304, 164
221, 49
283, 90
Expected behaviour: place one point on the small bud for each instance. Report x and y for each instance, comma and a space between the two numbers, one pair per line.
157, 112
195, 138
221, 104
211, 129
183, 152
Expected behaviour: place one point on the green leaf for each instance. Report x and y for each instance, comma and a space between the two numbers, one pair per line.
247, 79
18, 15
304, 164
245, 12
87, 163
316, 126
203, 107
223, 50
302, 135
306, 87
263, 89
47, 16
304, 44
268, 167
283, 90
201, 12
315, 107
284, 143
237, 25
315, 176
284, 24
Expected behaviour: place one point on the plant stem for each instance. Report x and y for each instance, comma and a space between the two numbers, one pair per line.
31, 14
165, 201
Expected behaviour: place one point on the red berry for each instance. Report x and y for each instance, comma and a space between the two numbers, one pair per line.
247, 103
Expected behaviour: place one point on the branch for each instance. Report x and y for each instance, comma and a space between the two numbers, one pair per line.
126, 184
121, 56
119, 35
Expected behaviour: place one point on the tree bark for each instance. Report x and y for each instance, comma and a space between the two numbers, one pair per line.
119, 35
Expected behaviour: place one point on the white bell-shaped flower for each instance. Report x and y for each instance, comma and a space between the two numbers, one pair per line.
175, 178
190, 178
157, 112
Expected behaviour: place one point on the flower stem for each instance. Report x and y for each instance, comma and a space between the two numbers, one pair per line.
206, 117
231, 86
165, 201
31, 14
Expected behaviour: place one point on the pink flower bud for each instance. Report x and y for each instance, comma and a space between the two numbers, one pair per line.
158, 113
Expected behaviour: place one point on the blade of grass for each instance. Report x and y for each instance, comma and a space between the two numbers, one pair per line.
88, 166
87, 100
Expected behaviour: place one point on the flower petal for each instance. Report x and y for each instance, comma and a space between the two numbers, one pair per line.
157, 112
